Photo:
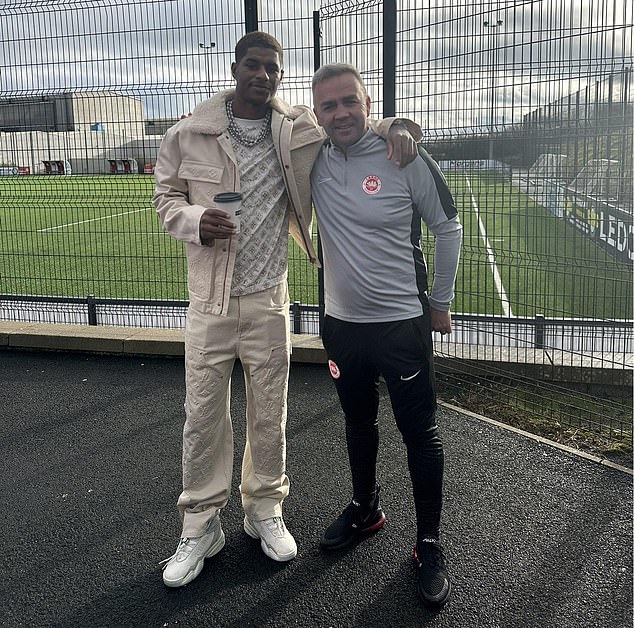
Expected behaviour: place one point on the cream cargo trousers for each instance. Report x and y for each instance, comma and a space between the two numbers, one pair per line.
256, 330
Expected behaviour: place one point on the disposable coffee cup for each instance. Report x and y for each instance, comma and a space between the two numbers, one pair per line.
230, 202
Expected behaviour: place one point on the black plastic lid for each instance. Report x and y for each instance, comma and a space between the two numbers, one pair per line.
228, 197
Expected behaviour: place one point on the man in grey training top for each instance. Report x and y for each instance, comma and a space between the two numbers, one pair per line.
378, 315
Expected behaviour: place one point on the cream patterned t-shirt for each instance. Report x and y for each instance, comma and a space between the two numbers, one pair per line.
262, 255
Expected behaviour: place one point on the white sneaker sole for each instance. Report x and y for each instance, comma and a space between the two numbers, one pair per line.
198, 567
253, 533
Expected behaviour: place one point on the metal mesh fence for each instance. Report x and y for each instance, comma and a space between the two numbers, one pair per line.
527, 106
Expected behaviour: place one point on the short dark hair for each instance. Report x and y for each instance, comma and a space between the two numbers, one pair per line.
333, 70
258, 39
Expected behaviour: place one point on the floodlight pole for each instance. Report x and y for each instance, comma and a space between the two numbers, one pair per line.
207, 52
492, 51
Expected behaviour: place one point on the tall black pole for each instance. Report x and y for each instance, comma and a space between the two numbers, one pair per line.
316, 41
320, 271
250, 15
389, 58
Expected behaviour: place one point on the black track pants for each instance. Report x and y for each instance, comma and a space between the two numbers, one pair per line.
401, 351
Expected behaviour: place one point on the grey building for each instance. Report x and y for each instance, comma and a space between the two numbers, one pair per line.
86, 130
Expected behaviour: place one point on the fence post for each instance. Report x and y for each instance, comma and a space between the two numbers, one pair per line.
250, 15
92, 309
320, 270
316, 41
296, 310
389, 58
540, 331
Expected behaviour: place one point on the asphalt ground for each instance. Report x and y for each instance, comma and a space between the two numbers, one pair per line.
90, 473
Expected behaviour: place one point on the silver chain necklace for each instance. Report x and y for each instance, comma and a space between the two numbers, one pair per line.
238, 134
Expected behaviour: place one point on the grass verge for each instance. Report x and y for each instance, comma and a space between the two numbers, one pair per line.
598, 425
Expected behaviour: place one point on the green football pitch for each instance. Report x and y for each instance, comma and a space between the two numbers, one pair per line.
99, 235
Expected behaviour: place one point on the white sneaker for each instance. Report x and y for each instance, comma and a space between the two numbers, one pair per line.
188, 559
277, 542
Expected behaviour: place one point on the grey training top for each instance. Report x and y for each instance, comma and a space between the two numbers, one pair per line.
369, 213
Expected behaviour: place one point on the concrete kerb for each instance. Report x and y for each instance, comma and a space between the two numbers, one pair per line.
306, 349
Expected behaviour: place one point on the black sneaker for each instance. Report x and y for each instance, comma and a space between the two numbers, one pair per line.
351, 523
432, 582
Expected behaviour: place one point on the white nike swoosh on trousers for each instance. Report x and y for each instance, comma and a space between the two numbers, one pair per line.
406, 379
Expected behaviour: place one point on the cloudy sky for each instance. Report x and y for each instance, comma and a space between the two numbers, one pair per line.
453, 70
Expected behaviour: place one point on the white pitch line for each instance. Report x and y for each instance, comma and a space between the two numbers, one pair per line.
81, 222
506, 306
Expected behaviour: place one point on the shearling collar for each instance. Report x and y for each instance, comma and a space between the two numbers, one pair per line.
210, 117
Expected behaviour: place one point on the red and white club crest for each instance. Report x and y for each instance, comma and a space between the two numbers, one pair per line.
334, 369
371, 184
